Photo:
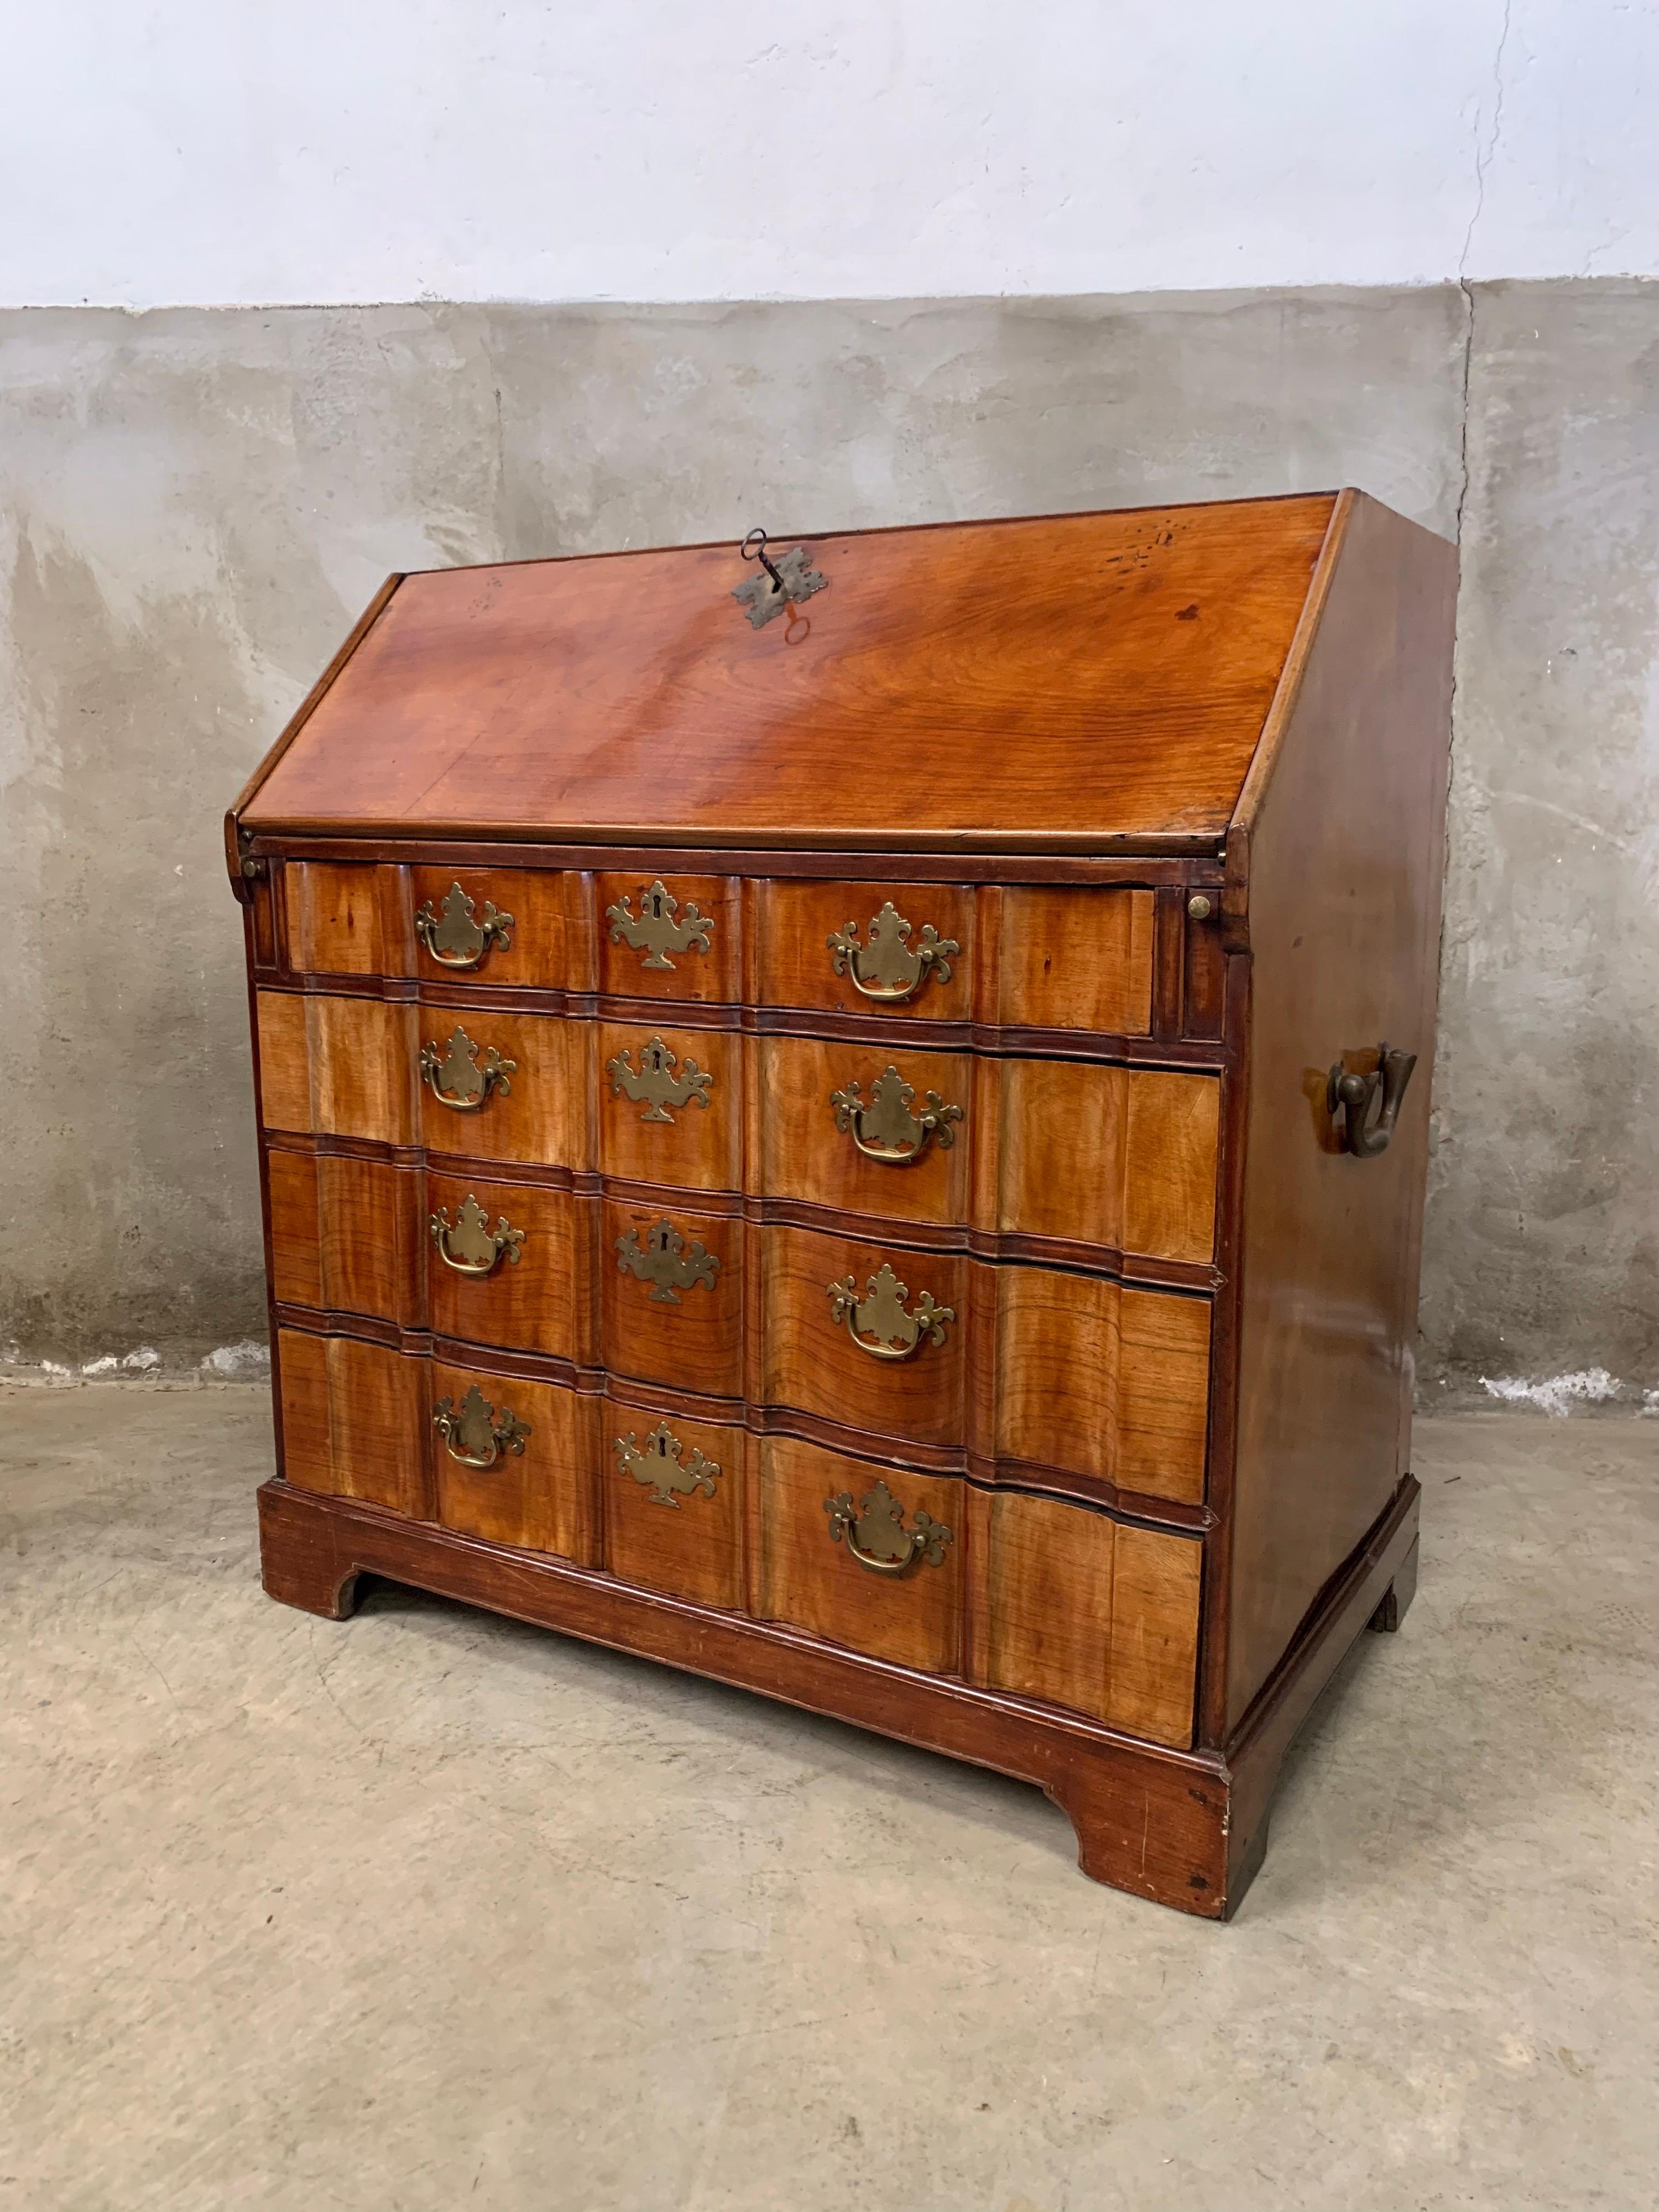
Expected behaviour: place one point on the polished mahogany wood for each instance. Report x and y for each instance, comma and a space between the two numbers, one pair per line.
794, 922
1077, 678
543, 1498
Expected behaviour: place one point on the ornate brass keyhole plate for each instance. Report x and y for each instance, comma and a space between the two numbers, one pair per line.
453, 938
468, 1244
876, 1535
889, 968
657, 930
657, 1464
778, 584
479, 1433
660, 1081
666, 1261
885, 1128
460, 1078
878, 1323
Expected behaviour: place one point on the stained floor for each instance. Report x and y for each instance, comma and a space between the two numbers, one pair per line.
429, 1910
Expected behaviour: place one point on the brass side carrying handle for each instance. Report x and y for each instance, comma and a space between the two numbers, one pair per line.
889, 968
468, 1244
875, 1534
458, 1079
885, 1127
455, 938
479, 1433
878, 1322
1351, 1096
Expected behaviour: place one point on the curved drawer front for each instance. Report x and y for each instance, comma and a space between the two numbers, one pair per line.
1019, 956
1068, 1605
1083, 1376
669, 1105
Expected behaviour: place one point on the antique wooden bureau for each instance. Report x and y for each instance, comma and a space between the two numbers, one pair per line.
842, 1118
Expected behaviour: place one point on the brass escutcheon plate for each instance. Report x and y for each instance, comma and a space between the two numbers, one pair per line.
657, 1463
659, 1082
665, 1260
657, 930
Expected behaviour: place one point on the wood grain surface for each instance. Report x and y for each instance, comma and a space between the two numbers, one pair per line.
692, 1340
795, 920
545, 1302
694, 1547
542, 1499
805, 1578
804, 1155
1087, 676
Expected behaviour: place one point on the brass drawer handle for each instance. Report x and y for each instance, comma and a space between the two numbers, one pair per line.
657, 1464
480, 1432
468, 1244
889, 968
881, 1315
657, 930
659, 1082
876, 1534
458, 1079
453, 938
1351, 1096
886, 1129
666, 1262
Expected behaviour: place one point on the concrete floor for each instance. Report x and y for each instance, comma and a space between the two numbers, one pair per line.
432, 1910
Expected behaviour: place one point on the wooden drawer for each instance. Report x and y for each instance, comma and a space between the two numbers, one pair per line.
670, 1298
1084, 1611
827, 1109
669, 1108
810, 1360
538, 1302
804, 1575
537, 1498
877, 964
523, 928
669, 937
345, 1236
539, 1110
674, 1503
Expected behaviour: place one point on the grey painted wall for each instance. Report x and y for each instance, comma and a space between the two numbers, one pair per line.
198, 503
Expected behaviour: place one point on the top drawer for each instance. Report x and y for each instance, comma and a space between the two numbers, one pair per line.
1021, 955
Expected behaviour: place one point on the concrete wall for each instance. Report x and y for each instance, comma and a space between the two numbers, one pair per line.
398, 150
198, 503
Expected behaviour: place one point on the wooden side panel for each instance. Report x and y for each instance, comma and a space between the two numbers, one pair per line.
699, 973
1049, 1583
803, 1577
696, 1147
804, 1156
1101, 1382
685, 1333
1155, 1589
541, 1499
1343, 858
810, 1362
549, 950
694, 1546
543, 1118
540, 1303
797, 919
1112, 1156
354, 1419
1077, 959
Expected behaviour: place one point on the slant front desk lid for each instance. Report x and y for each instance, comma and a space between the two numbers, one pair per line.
1081, 681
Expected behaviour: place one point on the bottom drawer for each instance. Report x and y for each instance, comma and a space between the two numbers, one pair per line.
1007, 1589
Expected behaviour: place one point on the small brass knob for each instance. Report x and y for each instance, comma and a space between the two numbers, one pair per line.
1199, 907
